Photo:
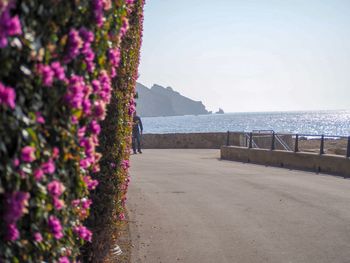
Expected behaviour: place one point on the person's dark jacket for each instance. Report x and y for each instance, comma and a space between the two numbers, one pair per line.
137, 126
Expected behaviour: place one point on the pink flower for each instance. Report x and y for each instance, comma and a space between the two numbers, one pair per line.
39, 118
74, 44
81, 132
38, 237
55, 227
7, 95
100, 110
90, 183
38, 174
125, 164
58, 70
121, 216
48, 167
15, 206
55, 153
12, 233
85, 163
47, 74
96, 168
74, 120
86, 35
97, 7
58, 203
114, 56
83, 233
9, 25
55, 188
63, 260
86, 203
28, 154
124, 28
95, 127
16, 162
75, 202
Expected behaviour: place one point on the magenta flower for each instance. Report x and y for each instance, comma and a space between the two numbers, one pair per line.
75, 202
39, 118
114, 56
132, 109
85, 163
83, 233
16, 162
86, 35
106, 87
55, 227
81, 132
74, 120
96, 85
121, 216
38, 174
63, 260
12, 233
15, 206
100, 110
95, 127
7, 96
38, 237
55, 152
55, 188
97, 6
76, 92
125, 164
27, 154
73, 46
58, 203
124, 28
58, 71
90, 183
48, 167
9, 26
47, 74
86, 203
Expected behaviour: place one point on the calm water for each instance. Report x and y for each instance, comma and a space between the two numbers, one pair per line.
310, 122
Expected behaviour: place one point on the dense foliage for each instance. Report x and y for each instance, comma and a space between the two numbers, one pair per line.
59, 63
115, 141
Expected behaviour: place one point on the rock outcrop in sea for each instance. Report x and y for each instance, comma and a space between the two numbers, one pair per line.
160, 101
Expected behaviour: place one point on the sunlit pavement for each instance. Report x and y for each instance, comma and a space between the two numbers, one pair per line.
189, 206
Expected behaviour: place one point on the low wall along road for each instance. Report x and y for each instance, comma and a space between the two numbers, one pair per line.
332, 164
327, 163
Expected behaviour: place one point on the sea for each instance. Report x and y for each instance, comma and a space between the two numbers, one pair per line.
331, 122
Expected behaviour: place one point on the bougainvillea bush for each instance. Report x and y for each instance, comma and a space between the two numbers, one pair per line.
58, 66
110, 197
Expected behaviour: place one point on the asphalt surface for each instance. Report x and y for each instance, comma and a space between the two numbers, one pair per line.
189, 206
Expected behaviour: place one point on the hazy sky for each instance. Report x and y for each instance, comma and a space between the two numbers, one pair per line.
262, 55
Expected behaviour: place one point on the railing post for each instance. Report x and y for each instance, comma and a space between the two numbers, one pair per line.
273, 141
296, 148
250, 140
348, 150
322, 145
228, 138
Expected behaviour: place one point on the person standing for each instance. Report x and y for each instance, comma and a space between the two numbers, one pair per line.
137, 130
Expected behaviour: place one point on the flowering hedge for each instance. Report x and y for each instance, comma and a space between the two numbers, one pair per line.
58, 65
115, 141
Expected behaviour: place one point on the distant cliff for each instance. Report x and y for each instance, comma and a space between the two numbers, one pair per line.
160, 101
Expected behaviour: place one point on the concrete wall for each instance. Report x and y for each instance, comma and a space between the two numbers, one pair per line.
190, 140
332, 164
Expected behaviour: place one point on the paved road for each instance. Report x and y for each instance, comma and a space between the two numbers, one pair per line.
188, 206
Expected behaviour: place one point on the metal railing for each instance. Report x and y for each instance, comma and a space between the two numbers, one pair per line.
278, 141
